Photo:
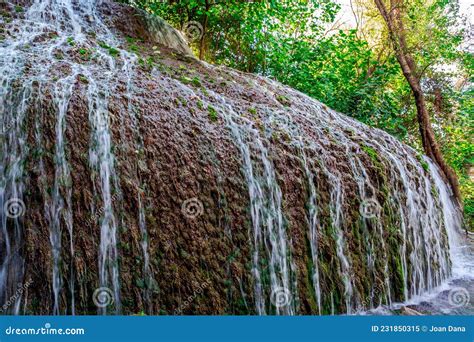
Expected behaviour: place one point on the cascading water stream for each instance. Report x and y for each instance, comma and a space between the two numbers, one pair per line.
411, 241
267, 217
147, 276
423, 217
269, 237
314, 227
282, 120
419, 214
423, 220
462, 264
69, 22
148, 280
336, 196
336, 215
102, 161
11, 185
428, 259
366, 193
60, 208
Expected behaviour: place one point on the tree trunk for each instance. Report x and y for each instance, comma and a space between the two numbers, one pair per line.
202, 43
397, 34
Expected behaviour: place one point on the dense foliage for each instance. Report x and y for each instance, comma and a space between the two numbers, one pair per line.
299, 43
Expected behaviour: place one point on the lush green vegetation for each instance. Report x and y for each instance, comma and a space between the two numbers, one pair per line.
299, 43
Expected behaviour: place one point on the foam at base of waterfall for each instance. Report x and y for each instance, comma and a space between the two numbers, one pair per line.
460, 246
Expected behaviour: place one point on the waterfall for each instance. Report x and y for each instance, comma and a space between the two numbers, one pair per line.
60, 208
314, 228
267, 218
378, 219
418, 206
70, 26
11, 185
148, 280
458, 248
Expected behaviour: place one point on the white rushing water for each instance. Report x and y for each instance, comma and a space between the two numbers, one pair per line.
267, 217
429, 222
70, 24
39, 63
60, 208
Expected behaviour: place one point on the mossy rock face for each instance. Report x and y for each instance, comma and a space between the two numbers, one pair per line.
216, 174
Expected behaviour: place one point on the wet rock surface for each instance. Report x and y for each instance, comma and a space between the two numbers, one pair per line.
171, 186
